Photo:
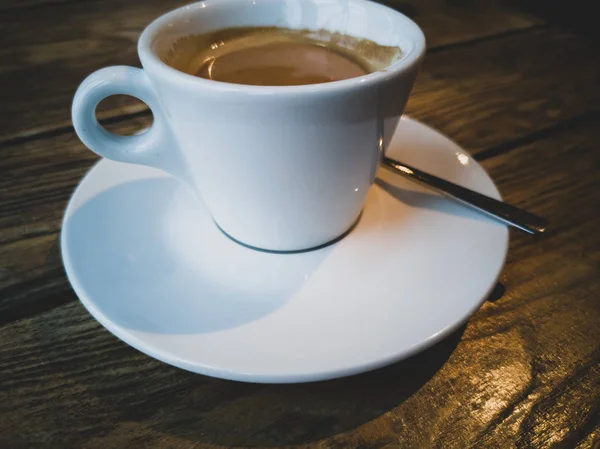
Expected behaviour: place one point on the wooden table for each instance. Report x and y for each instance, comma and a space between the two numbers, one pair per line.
521, 94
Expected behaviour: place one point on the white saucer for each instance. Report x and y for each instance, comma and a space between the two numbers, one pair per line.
147, 261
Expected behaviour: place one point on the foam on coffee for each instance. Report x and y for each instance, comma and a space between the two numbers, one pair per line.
273, 56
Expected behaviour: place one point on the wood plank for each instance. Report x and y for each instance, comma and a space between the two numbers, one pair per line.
43, 68
552, 290
38, 178
477, 111
495, 91
525, 372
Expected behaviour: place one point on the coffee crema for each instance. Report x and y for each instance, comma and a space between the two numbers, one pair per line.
271, 56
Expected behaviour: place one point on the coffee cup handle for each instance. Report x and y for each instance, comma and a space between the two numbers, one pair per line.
147, 148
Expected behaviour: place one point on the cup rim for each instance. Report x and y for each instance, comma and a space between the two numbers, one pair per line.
151, 61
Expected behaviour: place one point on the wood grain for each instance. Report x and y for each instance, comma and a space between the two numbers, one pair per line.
524, 373
38, 178
482, 108
47, 51
494, 91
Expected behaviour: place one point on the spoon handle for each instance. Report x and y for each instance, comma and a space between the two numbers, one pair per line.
504, 212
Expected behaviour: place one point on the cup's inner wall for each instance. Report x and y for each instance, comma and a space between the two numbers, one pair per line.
364, 21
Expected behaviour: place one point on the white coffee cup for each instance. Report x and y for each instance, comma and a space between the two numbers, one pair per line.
281, 168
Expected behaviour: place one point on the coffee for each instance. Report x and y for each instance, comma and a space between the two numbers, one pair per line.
270, 56
281, 64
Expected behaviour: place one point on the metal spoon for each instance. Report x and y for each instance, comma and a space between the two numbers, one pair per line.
503, 212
